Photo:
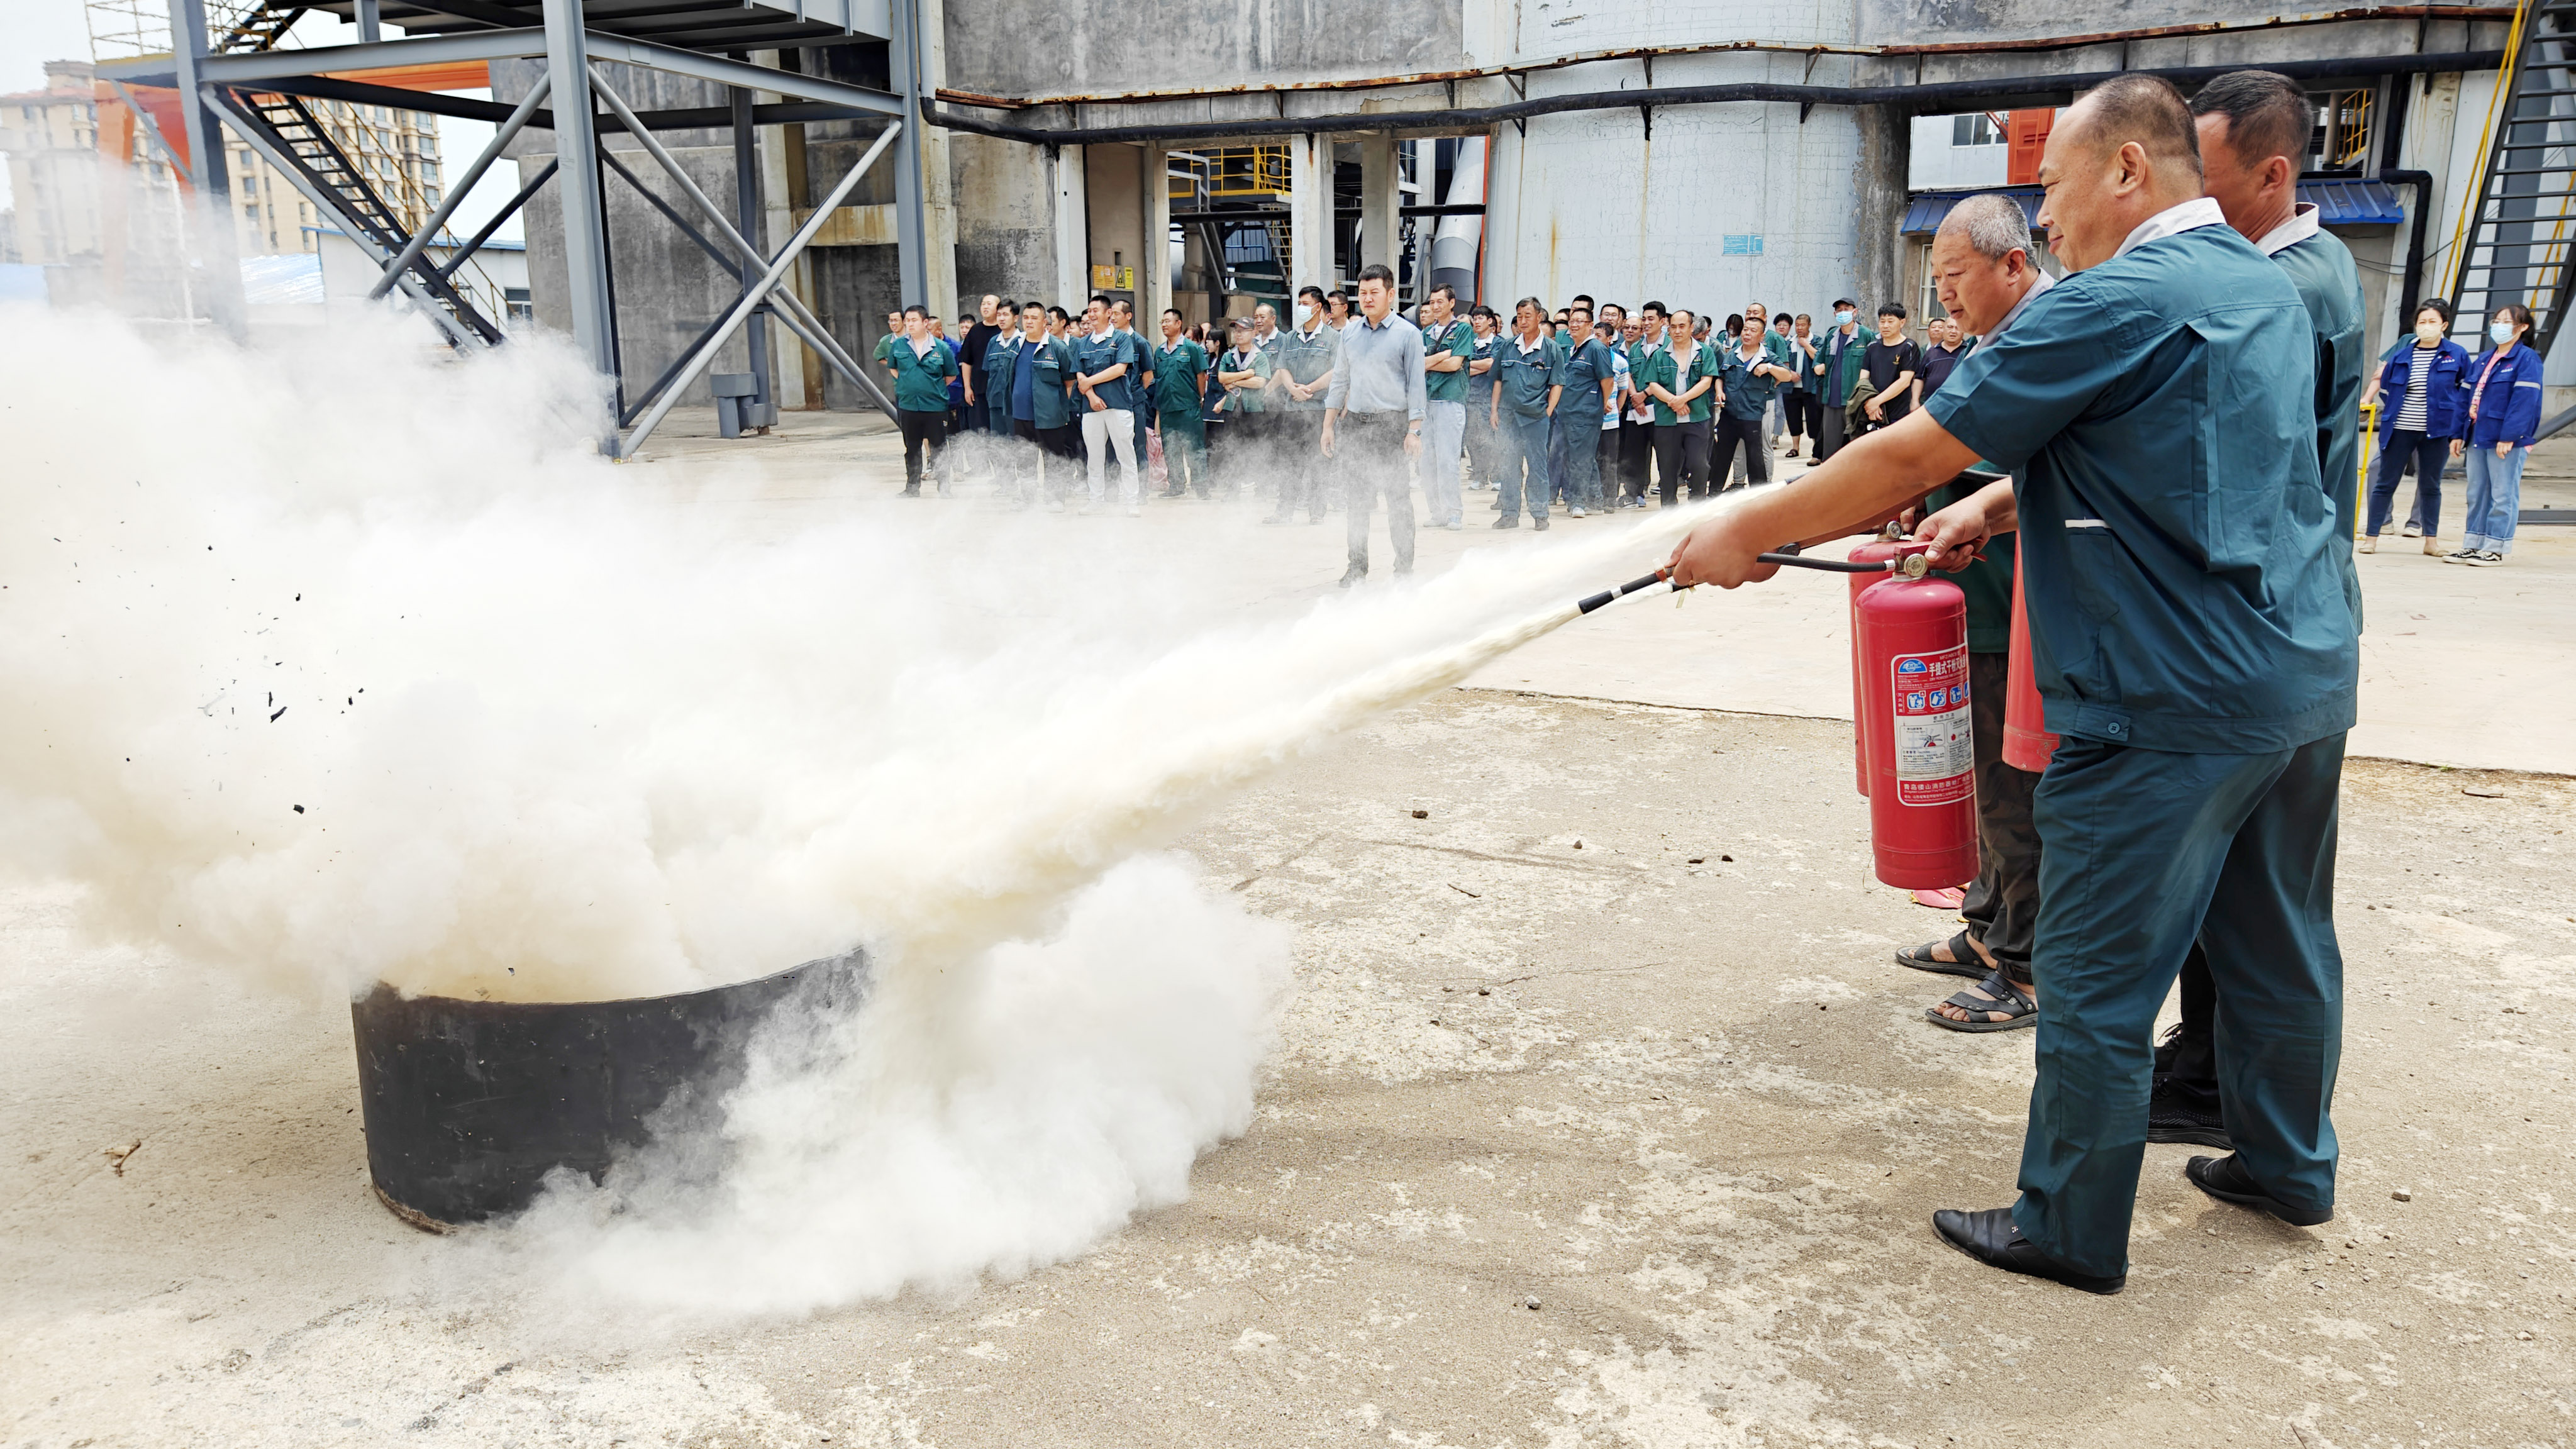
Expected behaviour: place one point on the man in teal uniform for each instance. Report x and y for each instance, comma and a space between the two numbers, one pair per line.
1306, 356
1575, 448
1529, 381
2254, 131
2195, 655
922, 365
1180, 385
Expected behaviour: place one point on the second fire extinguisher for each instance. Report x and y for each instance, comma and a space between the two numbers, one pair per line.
1914, 721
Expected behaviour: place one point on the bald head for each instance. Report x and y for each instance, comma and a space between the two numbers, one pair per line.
2123, 153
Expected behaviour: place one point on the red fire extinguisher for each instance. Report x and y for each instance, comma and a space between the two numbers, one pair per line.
1914, 722
2027, 742
1878, 550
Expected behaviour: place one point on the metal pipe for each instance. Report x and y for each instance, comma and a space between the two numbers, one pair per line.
2412, 287
420, 237
1913, 99
753, 294
325, 204
511, 209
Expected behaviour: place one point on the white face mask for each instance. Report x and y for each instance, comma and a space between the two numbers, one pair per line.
2500, 331
1305, 314
1843, 319
2429, 331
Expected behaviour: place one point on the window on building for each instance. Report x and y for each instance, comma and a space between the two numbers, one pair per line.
1976, 129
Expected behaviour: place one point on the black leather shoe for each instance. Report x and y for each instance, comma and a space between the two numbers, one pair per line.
2171, 1119
2226, 1179
1356, 573
1991, 1239
1513, 522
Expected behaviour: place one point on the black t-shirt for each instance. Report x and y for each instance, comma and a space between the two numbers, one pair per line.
1937, 364
1883, 363
978, 337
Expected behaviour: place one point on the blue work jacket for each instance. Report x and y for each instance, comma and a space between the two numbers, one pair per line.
2446, 390
2507, 397
2179, 555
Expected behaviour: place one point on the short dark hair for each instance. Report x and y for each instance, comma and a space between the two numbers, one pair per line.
1378, 272
1007, 305
1585, 298
1481, 310
1059, 314
1892, 309
1100, 297
1582, 305
2437, 306
1038, 307
1173, 312
915, 309
1118, 302
1609, 307
1657, 308
1442, 289
2267, 116
1338, 295
1310, 291
2145, 109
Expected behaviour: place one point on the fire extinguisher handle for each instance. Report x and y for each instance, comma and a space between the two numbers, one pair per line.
1607, 595
1830, 565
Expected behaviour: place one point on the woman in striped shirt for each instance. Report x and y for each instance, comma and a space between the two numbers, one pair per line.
2425, 406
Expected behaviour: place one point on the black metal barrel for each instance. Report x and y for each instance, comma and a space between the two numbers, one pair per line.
469, 1104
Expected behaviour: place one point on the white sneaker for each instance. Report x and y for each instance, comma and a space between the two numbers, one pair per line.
2369, 544
2484, 559
2414, 530
1574, 513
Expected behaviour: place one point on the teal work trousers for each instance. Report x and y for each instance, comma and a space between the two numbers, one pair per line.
2141, 851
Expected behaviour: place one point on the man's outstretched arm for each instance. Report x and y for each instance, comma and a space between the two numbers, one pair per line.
1868, 480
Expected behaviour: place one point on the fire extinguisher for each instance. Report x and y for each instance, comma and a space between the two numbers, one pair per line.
1914, 721
2027, 742
1877, 551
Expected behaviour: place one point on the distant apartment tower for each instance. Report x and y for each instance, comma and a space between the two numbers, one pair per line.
51, 139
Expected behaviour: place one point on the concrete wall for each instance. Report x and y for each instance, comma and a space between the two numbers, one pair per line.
1066, 47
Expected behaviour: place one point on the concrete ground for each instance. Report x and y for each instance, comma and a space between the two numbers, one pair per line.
1600, 1117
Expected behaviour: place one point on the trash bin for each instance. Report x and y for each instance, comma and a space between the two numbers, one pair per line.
469, 1104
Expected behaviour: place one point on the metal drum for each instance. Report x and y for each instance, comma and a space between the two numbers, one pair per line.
469, 1104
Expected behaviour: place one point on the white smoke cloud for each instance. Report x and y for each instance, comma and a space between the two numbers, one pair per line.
560, 729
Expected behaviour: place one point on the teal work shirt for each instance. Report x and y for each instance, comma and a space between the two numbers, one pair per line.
1099, 352
1525, 377
2321, 267
1586, 363
1052, 362
1305, 359
1678, 377
1256, 360
2176, 547
920, 378
1452, 338
1178, 372
1748, 393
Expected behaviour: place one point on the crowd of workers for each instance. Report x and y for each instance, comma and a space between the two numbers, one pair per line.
2198, 663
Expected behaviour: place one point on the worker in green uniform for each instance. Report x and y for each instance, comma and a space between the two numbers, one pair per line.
2195, 655
922, 365
1529, 382
2254, 131
1180, 400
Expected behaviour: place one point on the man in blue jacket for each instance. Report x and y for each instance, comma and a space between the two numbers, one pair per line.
2195, 655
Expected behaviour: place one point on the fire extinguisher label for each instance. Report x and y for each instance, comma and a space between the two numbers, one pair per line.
1936, 758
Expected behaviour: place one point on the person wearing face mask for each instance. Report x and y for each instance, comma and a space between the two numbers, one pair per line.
2504, 419
1836, 369
2427, 376
1306, 356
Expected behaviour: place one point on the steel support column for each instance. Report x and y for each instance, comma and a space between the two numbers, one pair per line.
447, 205
1156, 293
585, 217
912, 247
215, 255
1378, 200
1310, 216
746, 193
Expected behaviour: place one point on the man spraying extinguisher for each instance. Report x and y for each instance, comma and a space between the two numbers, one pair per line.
2196, 655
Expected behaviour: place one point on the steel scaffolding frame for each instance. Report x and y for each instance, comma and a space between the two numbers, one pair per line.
574, 36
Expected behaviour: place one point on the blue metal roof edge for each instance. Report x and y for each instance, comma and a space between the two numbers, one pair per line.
2358, 202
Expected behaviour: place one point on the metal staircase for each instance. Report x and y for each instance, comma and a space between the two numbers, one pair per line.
294, 132
2519, 245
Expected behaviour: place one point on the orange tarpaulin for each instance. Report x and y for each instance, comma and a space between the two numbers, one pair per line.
461, 75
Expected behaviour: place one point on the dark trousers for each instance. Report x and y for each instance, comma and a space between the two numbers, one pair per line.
1681, 460
1368, 454
2002, 907
1830, 432
1143, 410
922, 431
2144, 851
1610, 462
979, 414
1732, 431
1805, 413
1636, 457
1217, 429
2430, 456
1184, 452
1296, 452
